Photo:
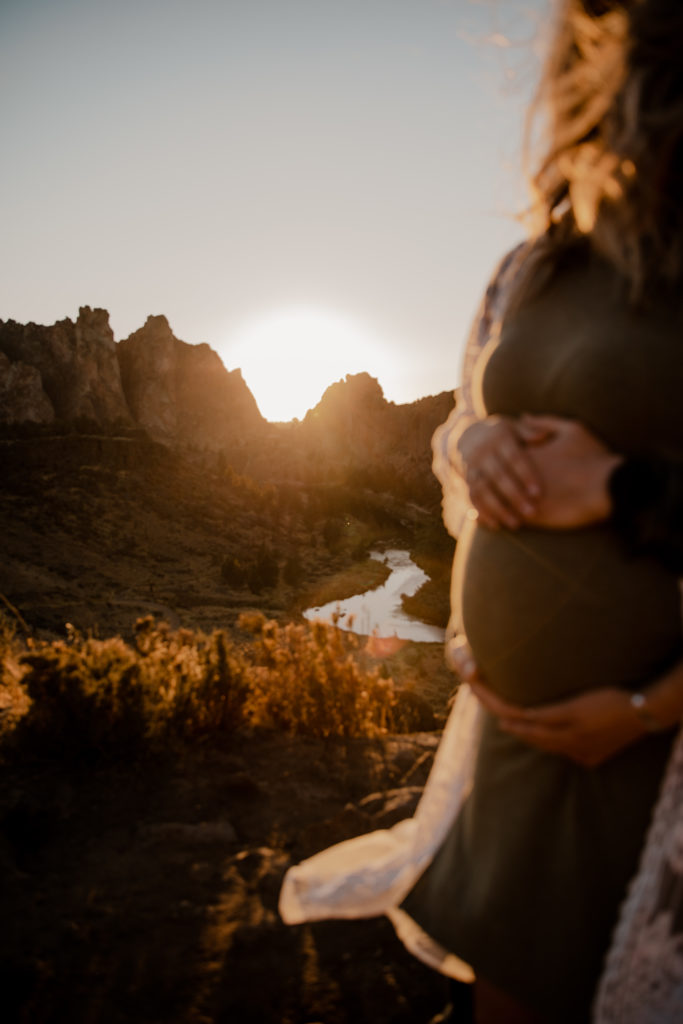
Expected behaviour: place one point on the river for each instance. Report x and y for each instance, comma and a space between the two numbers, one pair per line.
379, 611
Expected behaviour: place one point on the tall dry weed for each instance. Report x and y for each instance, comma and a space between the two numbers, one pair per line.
306, 679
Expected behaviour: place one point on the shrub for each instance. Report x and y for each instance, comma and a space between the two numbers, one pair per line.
82, 698
90, 697
194, 684
14, 701
305, 680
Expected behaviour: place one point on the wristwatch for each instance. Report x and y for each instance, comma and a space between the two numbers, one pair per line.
641, 706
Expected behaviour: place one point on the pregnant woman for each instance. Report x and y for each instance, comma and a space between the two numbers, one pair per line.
570, 593
568, 443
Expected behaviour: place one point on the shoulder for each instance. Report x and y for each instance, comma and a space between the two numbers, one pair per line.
496, 295
502, 280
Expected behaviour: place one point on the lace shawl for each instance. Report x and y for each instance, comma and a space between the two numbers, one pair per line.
643, 978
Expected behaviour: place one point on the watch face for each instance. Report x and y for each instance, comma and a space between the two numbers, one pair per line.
640, 706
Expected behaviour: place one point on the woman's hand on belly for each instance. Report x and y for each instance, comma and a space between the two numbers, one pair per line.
491, 455
575, 468
588, 729
543, 471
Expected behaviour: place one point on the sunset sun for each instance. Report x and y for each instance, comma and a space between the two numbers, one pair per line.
289, 357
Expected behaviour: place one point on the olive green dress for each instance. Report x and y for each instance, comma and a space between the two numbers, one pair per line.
527, 885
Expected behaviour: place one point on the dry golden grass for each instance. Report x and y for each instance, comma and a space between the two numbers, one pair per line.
84, 696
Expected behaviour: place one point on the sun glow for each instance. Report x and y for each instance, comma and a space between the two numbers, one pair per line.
289, 357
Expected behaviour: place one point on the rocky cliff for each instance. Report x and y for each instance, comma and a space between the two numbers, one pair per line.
74, 371
353, 421
355, 434
68, 371
183, 392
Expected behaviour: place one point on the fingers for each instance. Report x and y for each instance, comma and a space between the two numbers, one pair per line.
518, 479
566, 742
496, 705
553, 716
561, 741
541, 726
588, 729
498, 496
554, 737
459, 658
534, 429
492, 510
503, 481
520, 472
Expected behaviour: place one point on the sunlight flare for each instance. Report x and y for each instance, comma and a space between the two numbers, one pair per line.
289, 357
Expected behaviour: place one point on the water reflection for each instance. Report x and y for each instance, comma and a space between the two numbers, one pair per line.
379, 611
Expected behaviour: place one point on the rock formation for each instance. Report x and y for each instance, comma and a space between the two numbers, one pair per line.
77, 366
180, 394
22, 399
183, 393
355, 429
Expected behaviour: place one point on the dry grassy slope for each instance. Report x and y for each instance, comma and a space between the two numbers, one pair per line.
99, 543
97, 531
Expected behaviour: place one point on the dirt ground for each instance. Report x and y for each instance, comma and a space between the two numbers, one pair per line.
148, 892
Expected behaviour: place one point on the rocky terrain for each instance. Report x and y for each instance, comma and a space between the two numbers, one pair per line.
148, 893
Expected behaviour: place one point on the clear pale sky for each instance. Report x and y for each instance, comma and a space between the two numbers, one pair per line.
295, 182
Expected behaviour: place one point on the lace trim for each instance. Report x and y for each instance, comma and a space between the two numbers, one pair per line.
643, 978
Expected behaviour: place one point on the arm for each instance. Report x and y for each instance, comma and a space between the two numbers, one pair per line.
576, 469
585, 482
646, 497
589, 728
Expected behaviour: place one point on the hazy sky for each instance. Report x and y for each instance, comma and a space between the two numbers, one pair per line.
326, 180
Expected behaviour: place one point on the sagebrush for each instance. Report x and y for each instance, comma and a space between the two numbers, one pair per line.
87, 695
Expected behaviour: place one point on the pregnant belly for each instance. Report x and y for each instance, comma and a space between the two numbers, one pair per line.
552, 613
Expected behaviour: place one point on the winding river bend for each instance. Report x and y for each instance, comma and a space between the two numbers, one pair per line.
379, 611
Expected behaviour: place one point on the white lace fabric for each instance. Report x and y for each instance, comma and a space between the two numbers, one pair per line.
643, 978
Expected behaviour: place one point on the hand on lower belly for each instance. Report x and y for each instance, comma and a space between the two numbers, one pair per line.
589, 728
